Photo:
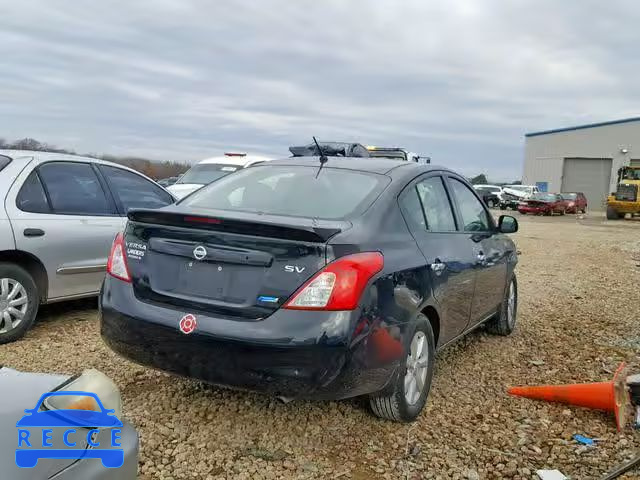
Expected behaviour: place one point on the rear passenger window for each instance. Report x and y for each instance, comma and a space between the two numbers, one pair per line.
412, 210
135, 191
74, 189
4, 161
474, 216
31, 197
436, 205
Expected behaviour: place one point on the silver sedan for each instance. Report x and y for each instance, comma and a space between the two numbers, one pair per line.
58, 217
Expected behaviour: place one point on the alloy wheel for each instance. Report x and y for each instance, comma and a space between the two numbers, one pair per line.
417, 363
13, 304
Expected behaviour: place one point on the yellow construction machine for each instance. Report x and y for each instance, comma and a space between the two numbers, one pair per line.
626, 198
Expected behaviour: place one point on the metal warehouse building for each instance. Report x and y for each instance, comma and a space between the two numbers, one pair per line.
585, 158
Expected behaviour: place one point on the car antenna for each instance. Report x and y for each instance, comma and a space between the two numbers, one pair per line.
323, 157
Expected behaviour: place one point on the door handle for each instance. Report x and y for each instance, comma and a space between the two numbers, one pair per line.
33, 232
438, 267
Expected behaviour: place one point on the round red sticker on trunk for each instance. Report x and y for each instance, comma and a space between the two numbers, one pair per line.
188, 323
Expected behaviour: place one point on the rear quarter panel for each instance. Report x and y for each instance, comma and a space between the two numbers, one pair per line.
400, 291
7, 178
7, 240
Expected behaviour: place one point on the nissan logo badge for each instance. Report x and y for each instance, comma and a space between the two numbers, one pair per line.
199, 252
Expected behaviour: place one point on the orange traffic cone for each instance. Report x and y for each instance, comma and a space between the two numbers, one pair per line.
610, 396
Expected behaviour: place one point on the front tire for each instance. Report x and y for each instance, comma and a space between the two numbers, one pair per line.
504, 321
18, 302
612, 214
405, 398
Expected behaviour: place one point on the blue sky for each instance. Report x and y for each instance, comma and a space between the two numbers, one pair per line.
461, 81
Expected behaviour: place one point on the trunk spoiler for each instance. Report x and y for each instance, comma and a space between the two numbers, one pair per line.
292, 228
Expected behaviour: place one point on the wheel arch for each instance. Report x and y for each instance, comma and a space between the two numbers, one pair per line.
434, 319
32, 265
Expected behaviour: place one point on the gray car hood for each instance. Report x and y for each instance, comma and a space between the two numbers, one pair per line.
22, 390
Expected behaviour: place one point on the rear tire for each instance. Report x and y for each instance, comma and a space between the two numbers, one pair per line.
405, 398
19, 302
503, 207
504, 322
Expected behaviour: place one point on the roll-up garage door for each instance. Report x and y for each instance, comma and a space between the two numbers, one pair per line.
590, 176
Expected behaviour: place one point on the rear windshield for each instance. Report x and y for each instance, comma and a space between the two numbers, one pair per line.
4, 161
205, 173
570, 196
488, 189
547, 197
292, 191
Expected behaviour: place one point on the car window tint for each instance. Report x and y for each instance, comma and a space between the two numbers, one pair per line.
74, 188
474, 216
436, 205
412, 210
31, 197
300, 191
135, 191
4, 161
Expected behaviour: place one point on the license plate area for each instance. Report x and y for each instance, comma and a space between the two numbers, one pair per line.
218, 282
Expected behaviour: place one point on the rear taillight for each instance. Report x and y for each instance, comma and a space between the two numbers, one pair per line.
117, 263
339, 285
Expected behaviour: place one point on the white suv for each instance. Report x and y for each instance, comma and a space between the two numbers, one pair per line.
211, 169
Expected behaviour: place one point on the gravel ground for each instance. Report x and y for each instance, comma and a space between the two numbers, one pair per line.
578, 319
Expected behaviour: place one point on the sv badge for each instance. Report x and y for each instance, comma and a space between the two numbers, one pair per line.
294, 269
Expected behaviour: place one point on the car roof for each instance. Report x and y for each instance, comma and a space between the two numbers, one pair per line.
40, 157
379, 165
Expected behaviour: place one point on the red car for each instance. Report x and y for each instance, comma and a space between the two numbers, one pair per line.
576, 202
543, 204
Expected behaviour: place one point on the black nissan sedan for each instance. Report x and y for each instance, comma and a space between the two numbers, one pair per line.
309, 278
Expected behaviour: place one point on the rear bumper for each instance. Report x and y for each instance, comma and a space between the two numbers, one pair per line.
290, 353
534, 210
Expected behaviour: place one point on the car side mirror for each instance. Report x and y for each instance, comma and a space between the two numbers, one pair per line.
507, 224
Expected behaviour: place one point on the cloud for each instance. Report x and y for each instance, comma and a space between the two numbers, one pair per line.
461, 81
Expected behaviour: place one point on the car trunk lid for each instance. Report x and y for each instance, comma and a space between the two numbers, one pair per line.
245, 266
